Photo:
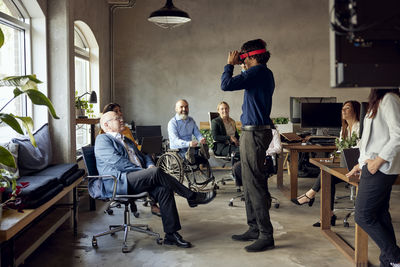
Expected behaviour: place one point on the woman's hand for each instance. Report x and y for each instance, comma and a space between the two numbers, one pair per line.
355, 171
234, 140
233, 57
373, 165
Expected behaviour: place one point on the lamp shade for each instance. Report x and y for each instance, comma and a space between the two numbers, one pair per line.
93, 97
169, 16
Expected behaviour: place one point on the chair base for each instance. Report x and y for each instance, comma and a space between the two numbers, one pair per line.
126, 228
274, 201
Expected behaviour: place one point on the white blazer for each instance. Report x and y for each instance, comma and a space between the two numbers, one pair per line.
381, 135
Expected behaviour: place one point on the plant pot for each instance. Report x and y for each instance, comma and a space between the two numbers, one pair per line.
80, 113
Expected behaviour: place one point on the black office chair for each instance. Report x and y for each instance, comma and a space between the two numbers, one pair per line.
229, 158
115, 201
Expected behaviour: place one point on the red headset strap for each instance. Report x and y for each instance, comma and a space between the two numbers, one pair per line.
252, 53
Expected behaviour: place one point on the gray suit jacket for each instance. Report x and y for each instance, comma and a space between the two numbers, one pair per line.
112, 159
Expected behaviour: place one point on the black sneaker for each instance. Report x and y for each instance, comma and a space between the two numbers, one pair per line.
261, 245
247, 236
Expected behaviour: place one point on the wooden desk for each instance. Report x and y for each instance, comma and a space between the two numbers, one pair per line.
359, 254
293, 150
92, 122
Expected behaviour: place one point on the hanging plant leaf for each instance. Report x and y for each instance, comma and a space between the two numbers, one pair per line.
10, 120
19, 81
39, 98
1, 38
6, 158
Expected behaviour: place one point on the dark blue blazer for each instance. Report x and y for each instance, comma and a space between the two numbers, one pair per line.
112, 159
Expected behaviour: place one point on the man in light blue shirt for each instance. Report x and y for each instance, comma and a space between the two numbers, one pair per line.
181, 128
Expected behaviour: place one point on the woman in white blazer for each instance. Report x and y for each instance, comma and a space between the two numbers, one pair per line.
379, 165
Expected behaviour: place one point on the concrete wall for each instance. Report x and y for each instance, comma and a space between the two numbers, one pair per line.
61, 15
154, 67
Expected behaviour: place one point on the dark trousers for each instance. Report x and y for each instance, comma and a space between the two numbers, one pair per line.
253, 145
334, 180
161, 187
372, 213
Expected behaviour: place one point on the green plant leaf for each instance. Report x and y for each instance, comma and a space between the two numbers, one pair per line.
6, 158
39, 98
1, 38
20, 81
17, 92
10, 120
28, 125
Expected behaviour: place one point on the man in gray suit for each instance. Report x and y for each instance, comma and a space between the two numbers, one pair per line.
136, 173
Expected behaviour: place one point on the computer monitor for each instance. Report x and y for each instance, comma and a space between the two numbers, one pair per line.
148, 130
295, 103
321, 115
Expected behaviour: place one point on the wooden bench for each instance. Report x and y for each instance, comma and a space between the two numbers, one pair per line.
22, 232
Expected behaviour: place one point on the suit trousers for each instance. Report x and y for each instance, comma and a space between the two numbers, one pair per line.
161, 187
253, 145
372, 213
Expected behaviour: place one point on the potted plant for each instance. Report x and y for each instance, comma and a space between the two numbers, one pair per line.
282, 124
22, 85
83, 108
345, 143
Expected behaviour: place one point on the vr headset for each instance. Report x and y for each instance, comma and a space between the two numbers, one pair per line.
242, 56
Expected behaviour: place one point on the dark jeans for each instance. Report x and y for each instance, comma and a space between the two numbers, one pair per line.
161, 187
253, 145
372, 213
334, 180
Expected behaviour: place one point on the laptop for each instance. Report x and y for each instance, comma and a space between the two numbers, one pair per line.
151, 144
351, 156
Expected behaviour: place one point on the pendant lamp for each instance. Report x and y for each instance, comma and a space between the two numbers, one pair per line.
169, 16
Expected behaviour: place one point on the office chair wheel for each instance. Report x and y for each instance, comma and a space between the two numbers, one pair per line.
159, 241
216, 187
238, 190
223, 183
346, 224
109, 211
172, 164
242, 199
136, 214
276, 205
125, 249
94, 243
230, 204
118, 205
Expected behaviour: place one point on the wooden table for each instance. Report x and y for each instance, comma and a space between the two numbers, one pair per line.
359, 254
293, 150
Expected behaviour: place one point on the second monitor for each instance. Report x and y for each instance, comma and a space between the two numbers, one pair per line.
321, 115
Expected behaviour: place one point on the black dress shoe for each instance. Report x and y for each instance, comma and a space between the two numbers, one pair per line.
176, 239
247, 236
333, 222
261, 245
310, 201
202, 198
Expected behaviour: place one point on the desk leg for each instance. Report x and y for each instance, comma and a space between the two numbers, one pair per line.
325, 200
294, 165
279, 175
361, 246
92, 134
74, 210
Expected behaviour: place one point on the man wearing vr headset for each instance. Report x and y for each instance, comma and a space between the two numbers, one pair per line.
258, 82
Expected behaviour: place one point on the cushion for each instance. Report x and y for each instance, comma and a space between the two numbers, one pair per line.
38, 186
13, 148
30, 158
61, 171
69, 180
29, 203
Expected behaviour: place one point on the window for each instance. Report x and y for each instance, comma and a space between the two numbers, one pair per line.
14, 55
85, 74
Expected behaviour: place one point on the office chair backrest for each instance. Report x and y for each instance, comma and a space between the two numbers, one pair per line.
211, 116
90, 160
147, 131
